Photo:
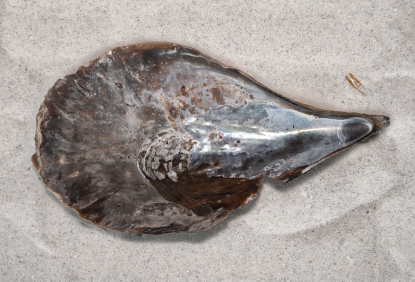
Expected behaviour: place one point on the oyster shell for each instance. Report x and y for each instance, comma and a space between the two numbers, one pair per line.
157, 137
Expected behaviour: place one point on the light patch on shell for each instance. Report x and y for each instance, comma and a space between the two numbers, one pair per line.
165, 155
250, 198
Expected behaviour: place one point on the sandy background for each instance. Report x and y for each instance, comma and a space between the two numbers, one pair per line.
350, 219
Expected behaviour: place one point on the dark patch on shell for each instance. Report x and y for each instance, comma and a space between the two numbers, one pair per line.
354, 131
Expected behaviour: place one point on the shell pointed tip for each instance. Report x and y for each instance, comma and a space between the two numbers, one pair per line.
385, 121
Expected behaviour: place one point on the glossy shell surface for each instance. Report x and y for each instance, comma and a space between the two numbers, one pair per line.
157, 137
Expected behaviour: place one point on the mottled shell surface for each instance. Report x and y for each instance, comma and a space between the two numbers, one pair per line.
157, 138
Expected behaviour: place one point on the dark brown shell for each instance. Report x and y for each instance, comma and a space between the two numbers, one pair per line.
93, 124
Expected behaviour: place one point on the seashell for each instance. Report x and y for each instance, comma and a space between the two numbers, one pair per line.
157, 138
